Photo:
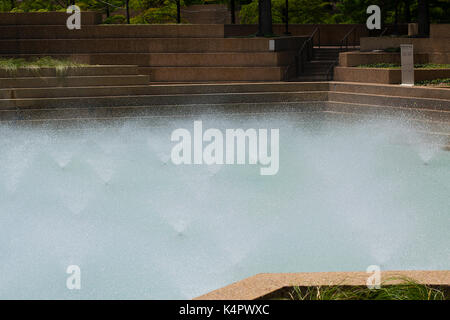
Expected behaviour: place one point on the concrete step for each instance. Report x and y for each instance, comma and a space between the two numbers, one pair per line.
326, 58
320, 62
40, 82
136, 45
111, 31
311, 77
432, 117
149, 100
193, 88
326, 53
92, 91
145, 112
392, 101
432, 131
316, 68
196, 74
224, 59
47, 18
244, 59
58, 92
104, 70
390, 90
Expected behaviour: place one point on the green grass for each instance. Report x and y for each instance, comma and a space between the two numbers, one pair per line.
397, 66
13, 64
392, 49
407, 289
445, 82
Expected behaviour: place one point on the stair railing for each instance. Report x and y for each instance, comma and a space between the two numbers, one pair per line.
330, 69
384, 31
305, 53
345, 39
127, 8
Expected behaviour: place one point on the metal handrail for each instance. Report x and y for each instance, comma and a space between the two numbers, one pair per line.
109, 4
298, 59
127, 8
346, 38
384, 31
331, 67
316, 30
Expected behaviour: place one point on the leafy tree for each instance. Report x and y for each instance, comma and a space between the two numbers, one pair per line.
300, 11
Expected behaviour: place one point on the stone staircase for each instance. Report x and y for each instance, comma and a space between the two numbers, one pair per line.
319, 68
166, 53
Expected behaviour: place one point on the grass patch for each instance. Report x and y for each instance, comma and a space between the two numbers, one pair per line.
407, 289
398, 66
392, 49
11, 65
380, 65
445, 82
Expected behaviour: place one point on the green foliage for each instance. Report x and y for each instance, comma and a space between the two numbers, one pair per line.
249, 13
11, 65
384, 65
407, 289
160, 11
300, 11
115, 19
445, 82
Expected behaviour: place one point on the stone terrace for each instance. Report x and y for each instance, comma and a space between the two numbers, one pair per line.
167, 53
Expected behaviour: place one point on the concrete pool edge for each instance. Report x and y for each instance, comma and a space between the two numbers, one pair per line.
262, 284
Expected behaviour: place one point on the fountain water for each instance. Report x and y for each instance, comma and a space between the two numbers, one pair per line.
108, 199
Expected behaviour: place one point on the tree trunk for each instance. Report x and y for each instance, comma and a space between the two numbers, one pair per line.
407, 11
423, 18
397, 2
265, 18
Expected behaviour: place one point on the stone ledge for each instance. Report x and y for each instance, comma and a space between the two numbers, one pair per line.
421, 45
47, 18
385, 76
264, 283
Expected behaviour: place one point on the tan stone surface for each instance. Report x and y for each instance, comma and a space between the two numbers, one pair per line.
440, 30
386, 76
264, 283
60, 31
47, 18
356, 58
421, 45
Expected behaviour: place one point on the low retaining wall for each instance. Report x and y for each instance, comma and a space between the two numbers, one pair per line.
421, 45
440, 31
148, 45
112, 31
385, 76
353, 59
263, 284
330, 34
47, 18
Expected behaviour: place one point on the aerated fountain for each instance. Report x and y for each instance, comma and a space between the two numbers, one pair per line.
107, 198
